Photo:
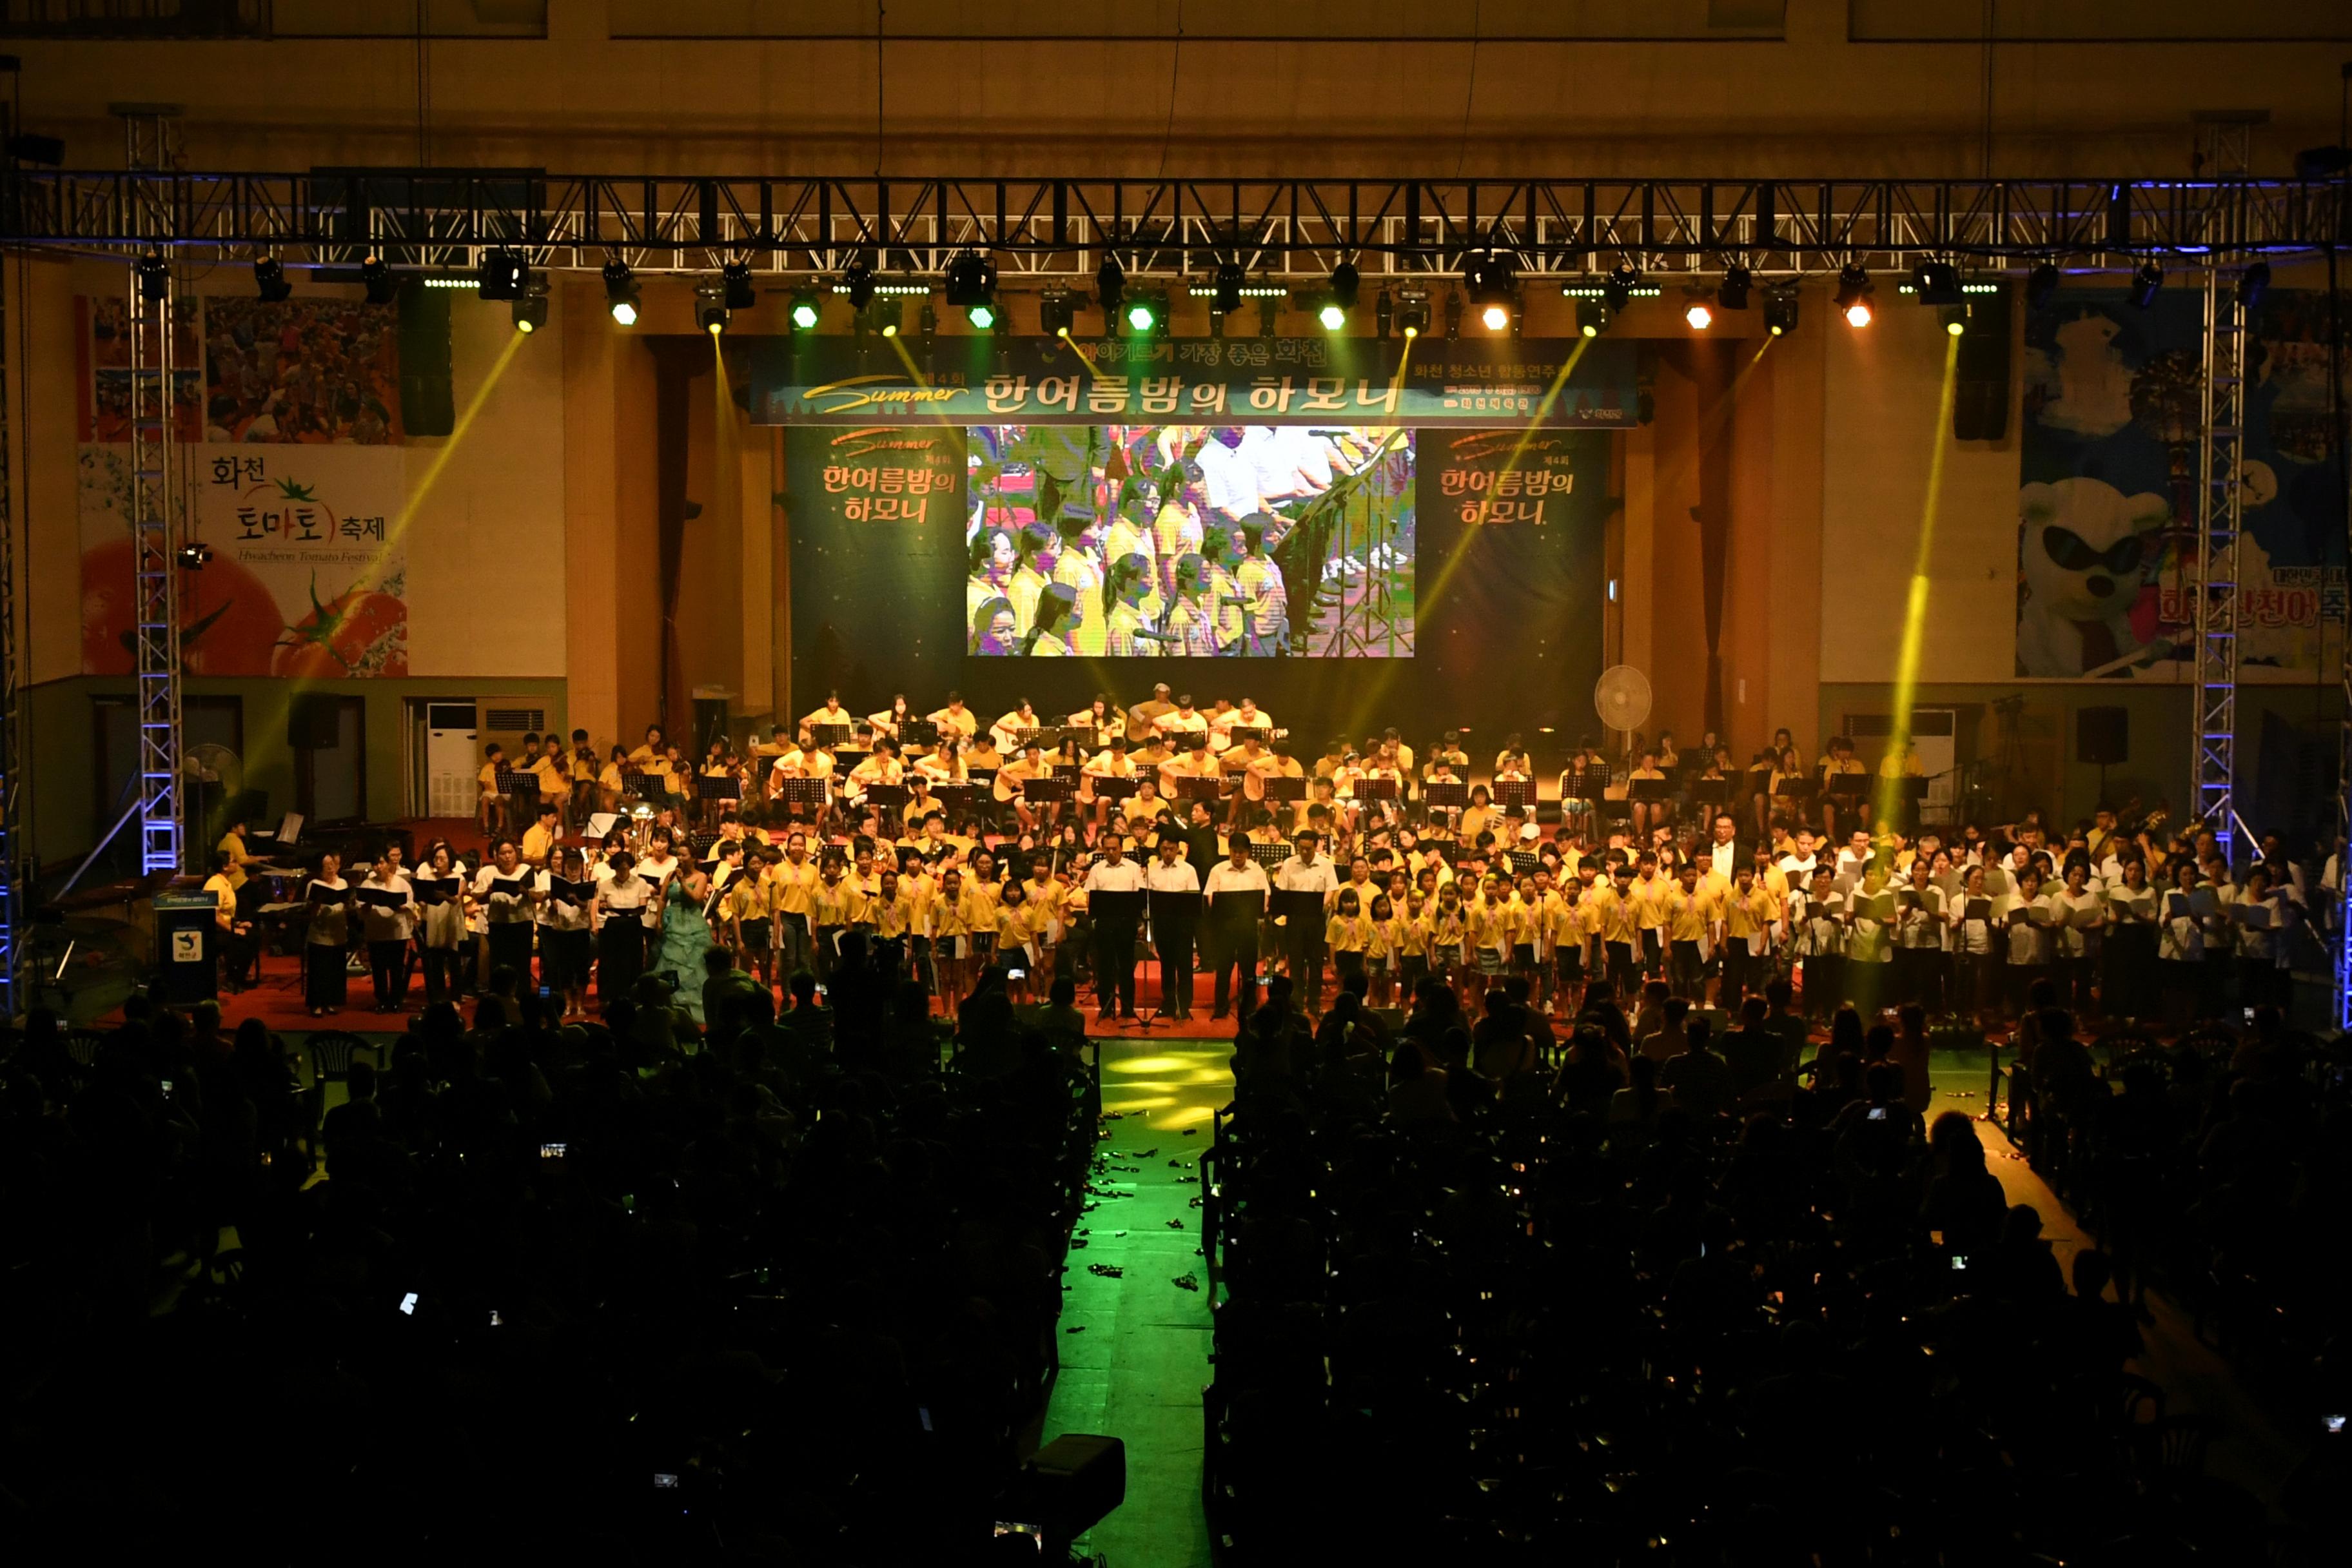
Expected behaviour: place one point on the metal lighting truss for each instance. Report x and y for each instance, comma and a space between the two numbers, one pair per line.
1060, 230
154, 532
2220, 507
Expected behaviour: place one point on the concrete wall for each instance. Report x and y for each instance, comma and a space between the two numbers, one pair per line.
1598, 89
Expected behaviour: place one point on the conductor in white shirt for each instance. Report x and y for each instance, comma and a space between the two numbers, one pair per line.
1175, 890
1114, 929
1302, 940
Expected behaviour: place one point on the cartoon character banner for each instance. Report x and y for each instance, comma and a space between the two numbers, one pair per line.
2108, 504
307, 577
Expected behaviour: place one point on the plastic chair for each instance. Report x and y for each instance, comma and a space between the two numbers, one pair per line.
82, 1044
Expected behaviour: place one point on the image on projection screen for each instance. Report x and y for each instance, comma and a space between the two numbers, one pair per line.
1189, 541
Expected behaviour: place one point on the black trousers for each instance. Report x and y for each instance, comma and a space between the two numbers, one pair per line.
388, 963
1233, 961
1175, 945
1305, 950
1114, 954
445, 972
1623, 973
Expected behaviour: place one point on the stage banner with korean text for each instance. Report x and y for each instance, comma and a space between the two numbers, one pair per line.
1336, 381
1514, 567
306, 575
2109, 482
876, 520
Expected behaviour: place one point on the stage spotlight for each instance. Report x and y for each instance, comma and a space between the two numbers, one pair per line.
623, 293
710, 312
1937, 283
1780, 311
1737, 281
529, 311
1853, 292
1593, 316
1698, 309
858, 283
890, 312
806, 311
1345, 286
194, 555
154, 276
269, 280
1623, 279
2252, 284
382, 287
2144, 285
971, 288
1229, 287
503, 274
1383, 313
1057, 313
1487, 279
1333, 316
1110, 286
1955, 318
736, 278
927, 322
1412, 311
2041, 286
1453, 314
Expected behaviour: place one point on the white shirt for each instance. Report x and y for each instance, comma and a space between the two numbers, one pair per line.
503, 909
1225, 878
1722, 859
389, 925
1295, 875
1180, 878
1126, 877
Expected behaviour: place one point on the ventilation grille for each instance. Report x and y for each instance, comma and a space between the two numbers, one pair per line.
514, 719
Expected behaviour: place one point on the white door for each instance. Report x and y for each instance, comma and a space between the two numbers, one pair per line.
452, 764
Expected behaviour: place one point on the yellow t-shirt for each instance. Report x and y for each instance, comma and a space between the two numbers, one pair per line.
537, 841
235, 875
795, 886
1347, 934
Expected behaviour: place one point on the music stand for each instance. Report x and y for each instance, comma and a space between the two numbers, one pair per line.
636, 785
1111, 913
829, 736
1523, 861
1287, 789
1711, 792
700, 843
888, 796
1115, 788
1516, 794
1442, 794
919, 733
802, 792
1796, 786
1648, 789
1586, 782
1845, 787
1375, 789
1046, 792
1172, 914
709, 786
1270, 856
1193, 787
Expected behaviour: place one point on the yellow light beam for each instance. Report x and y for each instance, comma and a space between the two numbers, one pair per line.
1914, 614
275, 723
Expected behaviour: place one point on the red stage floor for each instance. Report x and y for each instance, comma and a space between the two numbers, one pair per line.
277, 1002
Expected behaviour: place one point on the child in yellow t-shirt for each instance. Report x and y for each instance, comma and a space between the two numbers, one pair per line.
1348, 934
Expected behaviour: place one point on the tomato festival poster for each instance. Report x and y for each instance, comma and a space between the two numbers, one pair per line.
307, 578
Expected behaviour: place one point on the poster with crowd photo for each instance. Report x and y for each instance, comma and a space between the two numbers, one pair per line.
307, 577
1186, 541
301, 370
2108, 495
102, 359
